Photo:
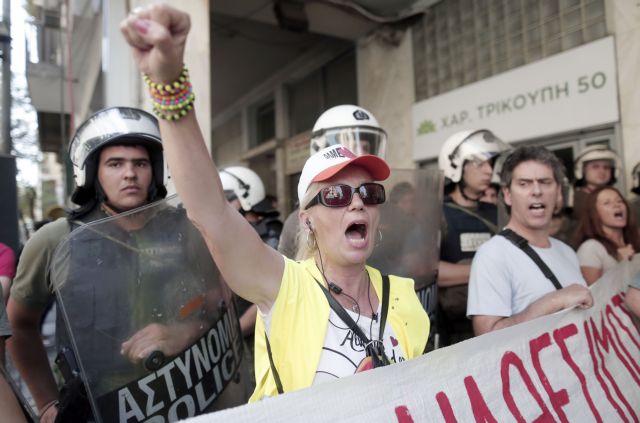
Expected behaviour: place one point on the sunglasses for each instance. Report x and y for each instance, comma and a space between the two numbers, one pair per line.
340, 195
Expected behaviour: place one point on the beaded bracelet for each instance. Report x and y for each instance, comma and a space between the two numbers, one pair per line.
174, 100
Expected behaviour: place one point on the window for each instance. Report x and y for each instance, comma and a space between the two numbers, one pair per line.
265, 123
333, 84
459, 42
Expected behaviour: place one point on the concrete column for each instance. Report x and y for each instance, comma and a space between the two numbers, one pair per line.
386, 88
282, 133
623, 20
120, 89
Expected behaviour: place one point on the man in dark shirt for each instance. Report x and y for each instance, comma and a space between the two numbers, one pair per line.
466, 159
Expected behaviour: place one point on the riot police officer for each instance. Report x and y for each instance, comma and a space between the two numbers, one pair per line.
111, 281
244, 188
466, 159
596, 166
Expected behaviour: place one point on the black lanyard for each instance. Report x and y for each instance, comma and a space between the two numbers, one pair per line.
522, 243
374, 349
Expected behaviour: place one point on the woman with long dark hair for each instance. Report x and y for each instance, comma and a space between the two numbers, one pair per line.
607, 233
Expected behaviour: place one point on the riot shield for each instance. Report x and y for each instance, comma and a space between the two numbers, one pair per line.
410, 224
151, 328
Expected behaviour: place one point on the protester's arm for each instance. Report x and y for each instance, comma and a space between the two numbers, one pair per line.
591, 274
157, 36
573, 295
452, 274
7, 269
248, 320
10, 410
632, 300
5, 281
626, 253
591, 258
30, 357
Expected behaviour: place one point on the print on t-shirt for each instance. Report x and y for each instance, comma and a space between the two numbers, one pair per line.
344, 354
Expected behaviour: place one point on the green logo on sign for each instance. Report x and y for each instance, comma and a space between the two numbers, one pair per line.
426, 127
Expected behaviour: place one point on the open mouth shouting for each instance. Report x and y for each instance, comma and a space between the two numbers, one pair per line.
537, 209
620, 216
357, 234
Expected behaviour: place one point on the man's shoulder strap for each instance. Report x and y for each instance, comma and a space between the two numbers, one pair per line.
522, 243
492, 226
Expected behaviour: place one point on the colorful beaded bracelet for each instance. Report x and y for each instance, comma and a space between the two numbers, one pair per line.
174, 100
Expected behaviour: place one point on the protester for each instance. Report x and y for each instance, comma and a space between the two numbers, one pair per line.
607, 233
466, 159
7, 269
118, 166
292, 297
596, 166
507, 286
10, 410
348, 125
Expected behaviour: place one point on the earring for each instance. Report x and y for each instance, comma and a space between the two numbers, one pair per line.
379, 237
311, 240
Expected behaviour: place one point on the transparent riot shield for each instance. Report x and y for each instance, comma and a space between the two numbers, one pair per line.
151, 328
410, 224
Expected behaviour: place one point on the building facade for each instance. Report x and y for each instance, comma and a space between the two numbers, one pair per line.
560, 73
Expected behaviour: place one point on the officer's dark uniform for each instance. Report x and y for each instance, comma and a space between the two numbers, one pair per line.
463, 231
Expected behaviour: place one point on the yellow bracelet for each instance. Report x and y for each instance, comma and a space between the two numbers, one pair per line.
174, 100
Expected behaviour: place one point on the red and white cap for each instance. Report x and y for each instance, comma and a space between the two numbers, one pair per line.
330, 160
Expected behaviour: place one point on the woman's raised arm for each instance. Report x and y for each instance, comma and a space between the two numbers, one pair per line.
157, 35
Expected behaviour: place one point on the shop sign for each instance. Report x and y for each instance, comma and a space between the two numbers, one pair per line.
569, 91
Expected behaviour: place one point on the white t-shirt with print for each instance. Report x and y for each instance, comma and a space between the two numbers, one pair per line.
343, 352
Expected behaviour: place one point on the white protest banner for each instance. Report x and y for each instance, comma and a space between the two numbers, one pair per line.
573, 366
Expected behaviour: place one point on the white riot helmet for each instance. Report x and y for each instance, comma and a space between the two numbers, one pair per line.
478, 146
635, 174
596, 152
245, 184
352, 126
115, 126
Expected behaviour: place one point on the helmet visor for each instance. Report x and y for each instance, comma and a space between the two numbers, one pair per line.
108, 125
479, 147
360, 140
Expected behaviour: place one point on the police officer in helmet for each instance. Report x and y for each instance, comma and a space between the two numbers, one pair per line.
118, 166
466, 159
115, 273
596, 166
244, 188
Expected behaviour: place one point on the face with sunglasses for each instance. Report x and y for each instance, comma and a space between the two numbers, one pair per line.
344, 216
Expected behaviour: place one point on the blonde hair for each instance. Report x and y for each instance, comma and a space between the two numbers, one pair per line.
305, 238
